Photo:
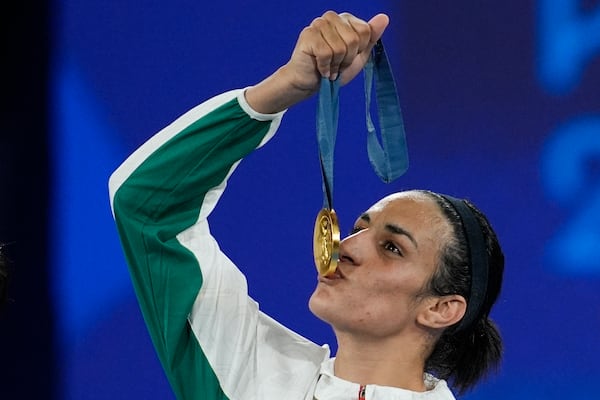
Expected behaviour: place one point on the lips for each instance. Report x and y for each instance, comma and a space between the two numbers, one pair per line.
337, 274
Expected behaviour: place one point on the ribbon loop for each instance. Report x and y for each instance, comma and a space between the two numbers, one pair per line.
390, 161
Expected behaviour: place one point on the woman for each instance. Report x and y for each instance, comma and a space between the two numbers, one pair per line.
409, 301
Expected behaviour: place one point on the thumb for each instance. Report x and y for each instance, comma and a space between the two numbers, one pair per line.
378, 24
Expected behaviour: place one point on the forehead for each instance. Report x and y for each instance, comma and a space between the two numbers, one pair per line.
414, 211
411, 199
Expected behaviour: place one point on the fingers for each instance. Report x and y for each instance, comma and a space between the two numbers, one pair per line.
337, 39
345, 37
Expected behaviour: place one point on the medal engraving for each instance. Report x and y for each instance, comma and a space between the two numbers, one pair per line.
326, 242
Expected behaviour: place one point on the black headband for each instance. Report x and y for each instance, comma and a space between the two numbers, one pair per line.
479, 261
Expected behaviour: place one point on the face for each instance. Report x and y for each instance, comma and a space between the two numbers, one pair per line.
384, 265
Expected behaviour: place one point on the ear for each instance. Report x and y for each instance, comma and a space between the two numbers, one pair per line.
440, 312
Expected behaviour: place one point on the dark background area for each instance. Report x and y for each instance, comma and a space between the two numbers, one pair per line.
26, 323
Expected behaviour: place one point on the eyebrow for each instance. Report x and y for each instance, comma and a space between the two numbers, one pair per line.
392, 228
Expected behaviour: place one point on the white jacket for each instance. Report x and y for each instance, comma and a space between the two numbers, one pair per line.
210, 336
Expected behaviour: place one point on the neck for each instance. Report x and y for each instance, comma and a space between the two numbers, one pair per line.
396, 362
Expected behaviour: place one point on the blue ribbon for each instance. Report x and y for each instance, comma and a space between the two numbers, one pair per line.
390, 161
327, 124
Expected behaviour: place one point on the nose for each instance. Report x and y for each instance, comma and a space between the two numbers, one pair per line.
352, 247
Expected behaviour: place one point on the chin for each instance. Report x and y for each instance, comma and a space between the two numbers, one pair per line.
320, 306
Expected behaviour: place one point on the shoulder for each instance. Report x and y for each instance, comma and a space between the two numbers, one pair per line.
438, 388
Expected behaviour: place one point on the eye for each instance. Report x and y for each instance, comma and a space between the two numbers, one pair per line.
356, 229
390, 246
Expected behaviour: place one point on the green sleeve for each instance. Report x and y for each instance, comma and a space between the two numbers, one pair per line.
157, 194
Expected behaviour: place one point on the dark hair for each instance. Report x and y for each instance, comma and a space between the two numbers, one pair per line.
3, 277
465, 356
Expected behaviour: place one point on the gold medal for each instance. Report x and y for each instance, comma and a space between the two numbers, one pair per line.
326, 242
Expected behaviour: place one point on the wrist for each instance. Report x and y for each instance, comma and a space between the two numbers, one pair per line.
278, 92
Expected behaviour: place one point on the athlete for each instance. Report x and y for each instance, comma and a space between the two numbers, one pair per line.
409, 301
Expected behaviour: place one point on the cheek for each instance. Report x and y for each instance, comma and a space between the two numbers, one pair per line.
394, 294
374, 298
393, 304
342, 305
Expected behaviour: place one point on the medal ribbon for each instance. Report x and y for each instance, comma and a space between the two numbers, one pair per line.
389, 161
327, 123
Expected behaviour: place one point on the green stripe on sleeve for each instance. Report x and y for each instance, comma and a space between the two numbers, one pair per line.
160, 199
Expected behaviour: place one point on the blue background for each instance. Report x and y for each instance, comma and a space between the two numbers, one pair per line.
501, 102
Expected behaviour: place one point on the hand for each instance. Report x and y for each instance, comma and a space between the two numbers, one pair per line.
332, 44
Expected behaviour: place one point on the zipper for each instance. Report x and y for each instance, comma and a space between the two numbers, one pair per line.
361, 392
